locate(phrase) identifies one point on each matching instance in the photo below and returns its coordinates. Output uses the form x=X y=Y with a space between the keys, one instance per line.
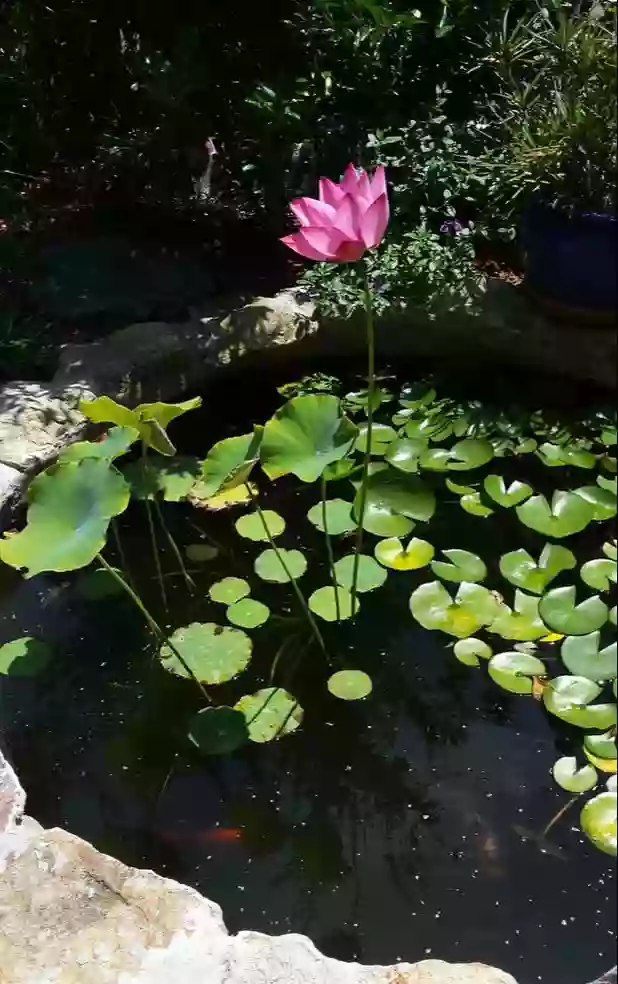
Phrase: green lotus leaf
x=575 y=780
x=599 y=574
x=306 y=434
x=470 y=453
x=405 y=453
x=270 y=713
x=521 y=569
x=516 y=493
x=213 y=653
x=70 y=510
x=515 y=671
x=260 y=526
x=280 y=566
x=556 y=455
x=248 y=613
x=370 y=574
x=523 y=624
x=392 y=553
x=172 y=478
x=559 y=611
x=464 y=566
x=338 y=516
x=116 y=442
x=229 y=590
x=598 y=821
x=150 y=419
x=402 y=495
x=583 y=657
x=601 y=746
x=469 y=650
x=381 y=437
x=350 y=685
x=604 y=504
x=229 y=463
x=609 y=549
x=474 y=505
x=200 y=553
x=218 y=730
x=569 y=513
x=570 y=699
x=97 y=584
x=459 y=489
x=609 y=484
x=333 y=604
x=24 y=657
x=473 y=607
x=434 y=428
x=417 y=395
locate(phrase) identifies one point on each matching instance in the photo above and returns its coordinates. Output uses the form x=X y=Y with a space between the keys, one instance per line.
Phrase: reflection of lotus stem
x=371 y=384
x=152 y=623
x=155 y=552
x=301 y=600
x=188 y=579
x=558 y=816
x=329 y=550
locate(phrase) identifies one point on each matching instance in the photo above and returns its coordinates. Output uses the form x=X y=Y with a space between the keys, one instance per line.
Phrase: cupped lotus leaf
x=370 y=574
x=218 y=730
x=583 y=657
x=201 y=553
x=474 y=505
x=557 y=455
x=24 y=657
x=338 y=516
x=473 y=608
x=229 y=590
x=70 y=510
x=561 y=613
x=515 y=671
x=571 y=777
x=115 y=443
x=459 y=489
x=213 y=653
x=350 y=685
x=435 y=428
x=472 y=452
x=523 y=624
x=270 y=713
x=470 y=651
x=601 y=746
x=604 y=504
x=570 y=699
x=229 y=463
x=568 y=514
x=599 y=574
x=260 y=526
x=171 y=478
x=405 y=453
x=598 y=821
x=417 y=395
x=609 y=549
x=514 y=495
x=522 y=570
x=464 y=566
x=306 y=434
x=248 y=613
x=333 y=604
x=150 y=419
x=609 y=484
x=403 y=495
x=392 y=553
x=381 y=436
x=97 y=584
x=280 y=566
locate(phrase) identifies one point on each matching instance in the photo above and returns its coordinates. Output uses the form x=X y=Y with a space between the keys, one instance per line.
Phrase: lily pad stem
x=554 y=820
x=188 y=579
x=329 y=549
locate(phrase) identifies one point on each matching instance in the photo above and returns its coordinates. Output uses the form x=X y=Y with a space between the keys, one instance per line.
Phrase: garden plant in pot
x=557 y=71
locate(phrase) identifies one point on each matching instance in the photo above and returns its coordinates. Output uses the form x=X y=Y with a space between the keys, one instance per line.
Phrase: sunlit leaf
x=601 y=746
x=333 y=604
x=24 y=657
x=515 y=671
x=609 y=549
x=559 y=611
x=149 y=419
x=218 y=730
x=523 y=624
x=514 y=495
x=459 y=489
x=403 y=495
x=583 y=657
x=598 y=821
x=350 y=685
x=229 y=590
x=572 y=778
x=258 y=526
x=280 y=566
x=464 y=566
x=230 y=498
x=417 y=395
x=248 y=613
x=470 y=651
x=435 y=428
x=392 y=553
x=521 y=569
x=370 y=574
x=306 y=434
x=474 y=505
x=270 y=713
x=404 y=453
x=570 y=699
x=569 y=513
x=473 y=607
x=381 y=437
x=116 y=442
x=561 y=455
x=229 y=463
x=604 y=503
x=470 y=453
x=213 y=653
x=599 y=574
x=338 y=516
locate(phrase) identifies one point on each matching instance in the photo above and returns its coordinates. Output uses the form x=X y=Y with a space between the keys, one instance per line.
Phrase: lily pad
x=562 y=454
x=572 y=778
x=306 y=434
x=254 y=526
x=521 y=569
x=68 y=516
x=350 y=685
x=604 y=504
x=218 y=730
x=201 y=553
x=229 y=463
x=229 y=590
x=338 y=516
x=24 y=657
x=269 y=567
x=459 y=489
x=523 y=624
x=559 y=611
x=598 y=821
x=270 y=713
x=170 y=478
x=239 y=495
x=601 y=746
x=473 y=607
x=470 y=453
x=402 y=495
x=381 y=436
x=116 y=442
x=405 y=453
x=392 y=553
x=599 y=574
x=431 y=428
x=568 y=514
x=417 y=395
x=214 y=653
x=435 y=459
x=514 y=495
x=333 y=604
x=609 y=484
x=464 y=566
x=248 y=613
x=474 y=505
x=98 y=584
x=515 y=671
x=570 y=699
x=370 y=574
x=583 y=657
x=151 y=420
x=470 y=651
x=610 y=550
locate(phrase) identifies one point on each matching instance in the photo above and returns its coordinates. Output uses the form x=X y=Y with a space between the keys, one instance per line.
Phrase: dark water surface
x=385 y=830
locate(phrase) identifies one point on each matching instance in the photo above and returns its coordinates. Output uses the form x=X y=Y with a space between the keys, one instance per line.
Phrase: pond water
x=388 y=829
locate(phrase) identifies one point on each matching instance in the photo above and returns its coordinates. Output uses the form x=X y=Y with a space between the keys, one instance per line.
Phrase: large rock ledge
x=70 y=915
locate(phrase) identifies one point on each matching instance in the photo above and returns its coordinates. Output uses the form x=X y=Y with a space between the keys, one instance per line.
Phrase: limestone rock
x=35 y=423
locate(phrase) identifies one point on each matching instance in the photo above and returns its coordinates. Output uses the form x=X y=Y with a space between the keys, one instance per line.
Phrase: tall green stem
x=120 y=550
x=371 y=387
x=155 y=553
x=329 y=549
x=170 y=539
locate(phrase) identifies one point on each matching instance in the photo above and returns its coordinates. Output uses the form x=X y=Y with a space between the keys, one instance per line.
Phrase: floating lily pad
x=214 y=653
x=598 y=821
x=470 y=651
x=200 y=553
x=523 y=624
x=435 y=428
x=370 y=574
x=270 y=713
x=248 y=613
x=24 y=657
x=612 y=615
x=514 y=495
x=601 y=746
x=583 y=657
x=470 y=453
x=350 y=685
x=230 y=462
x=570 y=699
x=218 y=730
x=460 y=489
x=568 y=514
x=556 y=455
x=473 y=607
x=381 y=436
x=333 y=604
x=116 y=442
x=392 y=553
x=170 y=478
x=604 y=504
x=599 y=574
x=515 y=671
x=405 y=453
x=151 y=420
x=254 y=526
x=417 y=395
x=402 y=495
x=464 y=566
x=98 y=584
x=474 y=505
x=521 y=569
x=269 y=567
x=306 y=434
x=559 y=611
x=609 y=484
x=435 y=459
x=572 y=778
x=338 y=516
x=229 y=590
x=610 y=550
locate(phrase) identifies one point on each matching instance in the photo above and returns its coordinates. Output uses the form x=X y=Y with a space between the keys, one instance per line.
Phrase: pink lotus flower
x=347 y=219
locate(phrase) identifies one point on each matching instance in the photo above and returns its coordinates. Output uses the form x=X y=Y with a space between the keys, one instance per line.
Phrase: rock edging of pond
x=70 y=915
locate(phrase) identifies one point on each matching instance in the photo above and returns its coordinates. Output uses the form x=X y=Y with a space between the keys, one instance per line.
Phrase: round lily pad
x=338 y=516
x=229 y=590
x=474 y=606
x=514 y=671
x=381 y=436
x=464 y=566
x=599 y=574
x=601 y=746
x=568 y=514
x=405 y=453
x=523 y=623
x=392 y=553
x=254 y=525
x=583 y=656
x=521 y=569
x=200 y=553
x=214 y=653
x=474 y=505
x=459 y=489
x=602 y=502
x=370 y=574
x=248 y=613
x=331 y=606
x=559 y=611
x=270 y=713
x=469 y=650
x=218 y=730
x=556 y=455
x=610 y=550
x=470 y=453
x=350 y=685
x=269 y=565
x=598 y=821
x=570 y=699
x=514 y=495
x=572 y=778
x=24 y=657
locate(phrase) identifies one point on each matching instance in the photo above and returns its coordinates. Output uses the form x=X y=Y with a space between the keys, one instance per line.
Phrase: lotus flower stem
x=329 y=549
x=188 y=579
x=371 y=386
